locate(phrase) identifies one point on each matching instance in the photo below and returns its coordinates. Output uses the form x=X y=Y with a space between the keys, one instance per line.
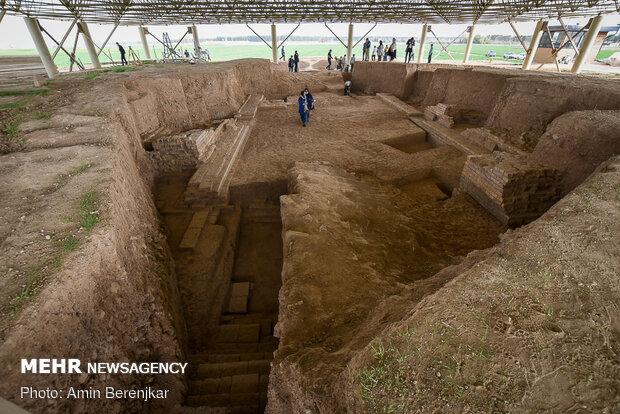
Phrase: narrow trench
x=228 y=272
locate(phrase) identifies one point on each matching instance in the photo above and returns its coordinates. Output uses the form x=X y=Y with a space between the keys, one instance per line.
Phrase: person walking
x=305 y=105
x=291 y=64
x=296 y=60
x=329 y=60
x=430 y=53
x=121 y=49
x=409 y=50
x=282 y=54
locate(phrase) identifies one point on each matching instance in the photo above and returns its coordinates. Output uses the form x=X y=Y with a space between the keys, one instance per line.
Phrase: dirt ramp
x=578 y=142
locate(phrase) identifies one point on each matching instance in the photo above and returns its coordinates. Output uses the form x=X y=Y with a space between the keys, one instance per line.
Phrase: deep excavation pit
x=376 y=259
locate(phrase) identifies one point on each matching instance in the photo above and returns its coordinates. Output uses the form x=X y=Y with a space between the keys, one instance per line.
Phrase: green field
x=227 y=51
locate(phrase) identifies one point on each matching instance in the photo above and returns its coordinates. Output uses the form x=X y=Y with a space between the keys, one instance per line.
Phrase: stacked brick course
x=183 y=151
x=438 y=113
x=509 y=187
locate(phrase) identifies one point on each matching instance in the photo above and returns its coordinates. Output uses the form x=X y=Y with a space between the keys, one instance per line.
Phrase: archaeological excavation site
x=431 y=238
x=420 y=246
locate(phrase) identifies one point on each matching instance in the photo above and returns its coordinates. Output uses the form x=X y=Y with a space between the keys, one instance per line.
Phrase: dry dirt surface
x=577 y=142
x=530 y=325
x=372 y=241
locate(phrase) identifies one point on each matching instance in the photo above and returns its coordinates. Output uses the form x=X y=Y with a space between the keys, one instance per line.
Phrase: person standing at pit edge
x=306 y=104
x=430 y=53
x=282 y=54
x=122 y=50
x=296 y=60
x=329 y=60
x=409 y=50
x=291 y=64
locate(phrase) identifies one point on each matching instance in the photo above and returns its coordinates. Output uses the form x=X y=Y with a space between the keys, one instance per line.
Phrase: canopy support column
x=531 y=51
x=274 y=44
x=422 y=41
x=350 y=43
x=37 y=37
x=90 y=46
x=470 y=41
x=196 y=40
x=145 y=44
x=594 y=25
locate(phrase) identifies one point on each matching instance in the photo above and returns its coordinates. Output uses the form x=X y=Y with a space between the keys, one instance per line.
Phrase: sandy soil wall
x=515 y=103
x=500 y=331
x=527 y=104
x=577 y=142
x=116 y=297
x=393 y=78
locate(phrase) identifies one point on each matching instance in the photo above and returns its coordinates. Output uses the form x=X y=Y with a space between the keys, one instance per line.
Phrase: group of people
x=380 y=52
x=293 y=61
x=341 y=62
x=385 y=52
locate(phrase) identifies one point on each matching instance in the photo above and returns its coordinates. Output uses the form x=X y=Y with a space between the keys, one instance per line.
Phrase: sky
x=13 y=33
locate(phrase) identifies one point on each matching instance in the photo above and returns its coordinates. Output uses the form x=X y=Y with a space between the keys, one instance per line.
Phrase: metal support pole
x=514 y=29
x=2 y=13
x=107 y=39
x=62 y=41
x=145 y=45
x=422 y=41
x=37 y=37
x=531 y=51
x=90 y=46
x=470 y=41
x=197 y=52
x=594 y=25
x=274 y=44
x=350 y=43
x=335 y=35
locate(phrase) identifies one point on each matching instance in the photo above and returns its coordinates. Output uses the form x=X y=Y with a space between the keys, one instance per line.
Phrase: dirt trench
x=229 y=283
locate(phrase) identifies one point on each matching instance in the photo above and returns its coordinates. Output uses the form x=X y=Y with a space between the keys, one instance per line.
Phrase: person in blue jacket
x=306 y=104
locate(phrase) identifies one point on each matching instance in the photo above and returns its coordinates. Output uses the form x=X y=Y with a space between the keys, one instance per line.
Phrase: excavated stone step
x=249 y=107
x=266 y=323
x=192 y=233
x=224 y=369
x=232 y=384
x=241 y=403
x=242 y=347
x=239 y=297
x=209 y=185
x=207 y=357
x=237 y=333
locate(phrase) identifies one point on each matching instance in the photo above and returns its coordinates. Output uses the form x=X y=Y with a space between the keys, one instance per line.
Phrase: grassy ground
x=228 y=51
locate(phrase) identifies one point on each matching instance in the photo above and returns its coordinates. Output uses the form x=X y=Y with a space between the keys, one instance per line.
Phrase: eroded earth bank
x=444 y=240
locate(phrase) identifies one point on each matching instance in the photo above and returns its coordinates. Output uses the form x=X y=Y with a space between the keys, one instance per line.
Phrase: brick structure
x=182 y=152
x=438 y=113
x=509 y=187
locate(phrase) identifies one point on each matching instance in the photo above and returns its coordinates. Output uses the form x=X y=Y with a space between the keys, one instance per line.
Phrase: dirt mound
x=529 y=326
x=349 y=245
x=577 y=142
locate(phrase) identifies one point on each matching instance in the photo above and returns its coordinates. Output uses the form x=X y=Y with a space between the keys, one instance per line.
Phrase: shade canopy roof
x=293 y=11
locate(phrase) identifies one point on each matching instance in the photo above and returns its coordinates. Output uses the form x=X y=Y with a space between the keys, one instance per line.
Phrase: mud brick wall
x=512 y=189
x=180 y=152
x=393 y=78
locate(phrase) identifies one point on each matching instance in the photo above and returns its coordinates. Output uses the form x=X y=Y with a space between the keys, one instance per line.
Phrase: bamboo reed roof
x=134 y=12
